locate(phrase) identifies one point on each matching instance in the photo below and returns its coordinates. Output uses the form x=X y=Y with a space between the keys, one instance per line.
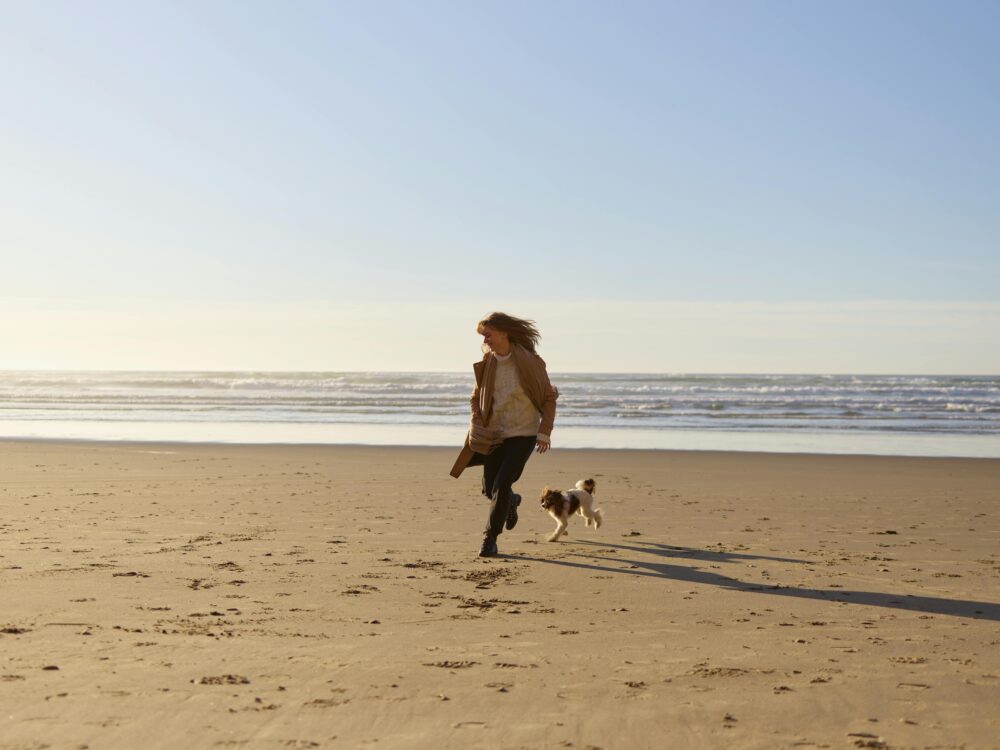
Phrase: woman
x=513 y=410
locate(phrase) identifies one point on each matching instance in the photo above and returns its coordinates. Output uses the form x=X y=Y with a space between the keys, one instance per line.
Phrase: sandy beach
x=212 y=596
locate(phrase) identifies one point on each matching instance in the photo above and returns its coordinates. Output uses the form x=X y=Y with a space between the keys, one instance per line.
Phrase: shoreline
x=207 y=444
x=566 y=438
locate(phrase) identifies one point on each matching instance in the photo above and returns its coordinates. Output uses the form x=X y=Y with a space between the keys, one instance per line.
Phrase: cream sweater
x=513 y=411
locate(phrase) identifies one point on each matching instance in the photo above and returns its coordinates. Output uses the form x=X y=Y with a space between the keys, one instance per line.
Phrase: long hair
x=519 y=331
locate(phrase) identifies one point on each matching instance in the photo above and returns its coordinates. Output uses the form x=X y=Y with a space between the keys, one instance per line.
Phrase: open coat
x=534 y=380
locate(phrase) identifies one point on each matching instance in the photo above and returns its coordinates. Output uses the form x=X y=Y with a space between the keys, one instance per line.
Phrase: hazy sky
x=664 y=186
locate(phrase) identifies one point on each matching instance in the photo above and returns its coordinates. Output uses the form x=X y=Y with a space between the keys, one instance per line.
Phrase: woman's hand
x=541 y=446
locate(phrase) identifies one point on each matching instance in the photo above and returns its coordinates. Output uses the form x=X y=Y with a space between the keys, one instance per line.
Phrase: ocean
x=933 y=415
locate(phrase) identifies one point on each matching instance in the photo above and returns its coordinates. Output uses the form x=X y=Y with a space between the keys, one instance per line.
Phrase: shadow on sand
x=646 y=568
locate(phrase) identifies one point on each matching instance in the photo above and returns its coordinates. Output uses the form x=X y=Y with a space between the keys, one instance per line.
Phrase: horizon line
x=4 y=371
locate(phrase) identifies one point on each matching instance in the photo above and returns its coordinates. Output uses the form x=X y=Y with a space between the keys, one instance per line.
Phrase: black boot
x=489 y=548
x=515 y=500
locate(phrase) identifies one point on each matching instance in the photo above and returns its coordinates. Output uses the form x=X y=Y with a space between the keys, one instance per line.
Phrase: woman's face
x=497 y=341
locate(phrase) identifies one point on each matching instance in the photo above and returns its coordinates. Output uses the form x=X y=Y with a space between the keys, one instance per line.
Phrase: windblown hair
x=519 y=331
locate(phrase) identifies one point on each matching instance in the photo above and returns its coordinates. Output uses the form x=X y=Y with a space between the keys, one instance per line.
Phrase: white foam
x=826 y=442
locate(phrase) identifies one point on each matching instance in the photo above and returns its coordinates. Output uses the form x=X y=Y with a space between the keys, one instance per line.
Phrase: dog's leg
x=562 y=522
x=591 y=516
x=559 y=526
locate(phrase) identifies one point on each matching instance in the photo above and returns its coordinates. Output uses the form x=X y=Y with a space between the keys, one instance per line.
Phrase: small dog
x=561 y=505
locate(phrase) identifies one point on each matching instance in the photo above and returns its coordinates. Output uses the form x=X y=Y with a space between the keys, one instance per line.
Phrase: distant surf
x=915 y=415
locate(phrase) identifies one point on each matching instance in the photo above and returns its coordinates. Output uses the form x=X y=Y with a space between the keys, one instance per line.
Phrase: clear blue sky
x=499 y=154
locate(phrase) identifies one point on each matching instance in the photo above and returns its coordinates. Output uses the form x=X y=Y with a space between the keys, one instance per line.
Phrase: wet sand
x=178 y=595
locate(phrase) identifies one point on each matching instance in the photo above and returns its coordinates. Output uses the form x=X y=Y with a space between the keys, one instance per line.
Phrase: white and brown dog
x=561 y=505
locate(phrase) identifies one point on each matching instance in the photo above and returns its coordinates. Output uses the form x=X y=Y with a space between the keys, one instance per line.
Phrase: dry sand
x=167 y=596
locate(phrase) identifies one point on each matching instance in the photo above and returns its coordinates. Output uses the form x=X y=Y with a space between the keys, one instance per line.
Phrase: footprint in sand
x=224 y=679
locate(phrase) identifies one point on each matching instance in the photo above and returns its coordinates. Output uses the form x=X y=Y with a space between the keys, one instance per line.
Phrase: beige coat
x=534 y=380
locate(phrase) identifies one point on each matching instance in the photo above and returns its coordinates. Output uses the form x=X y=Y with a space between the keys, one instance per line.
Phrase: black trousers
x=501 y=469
